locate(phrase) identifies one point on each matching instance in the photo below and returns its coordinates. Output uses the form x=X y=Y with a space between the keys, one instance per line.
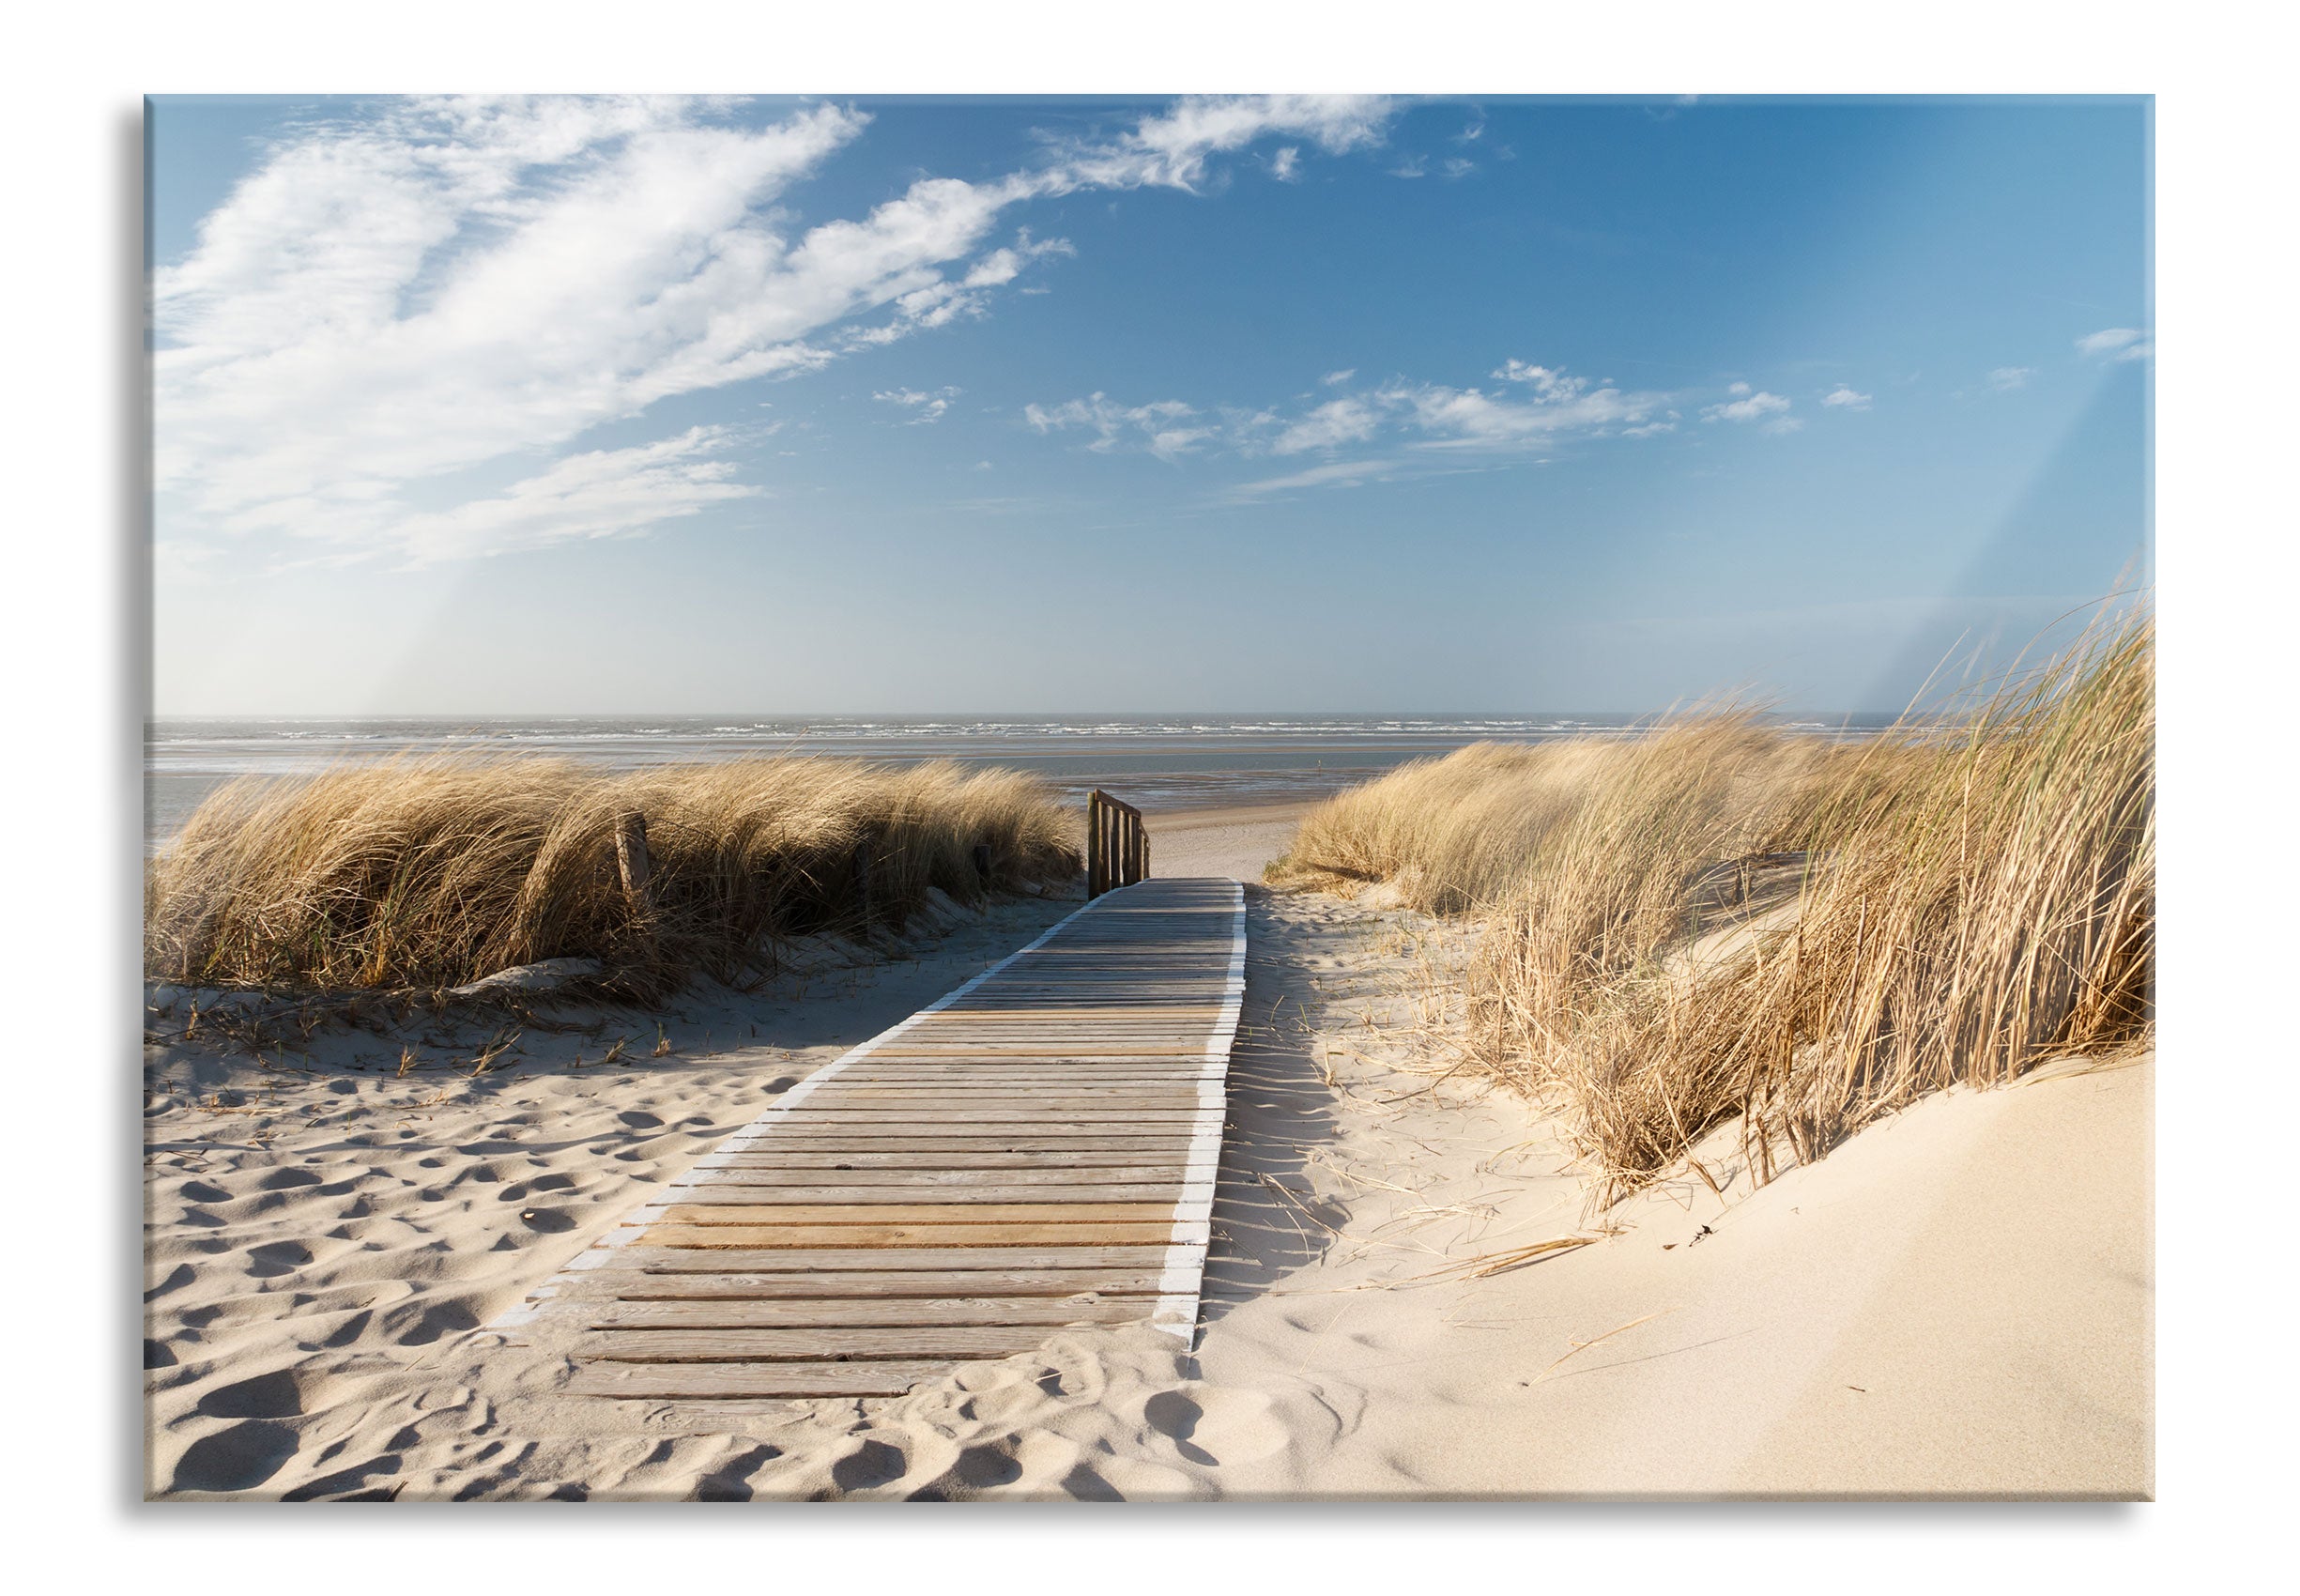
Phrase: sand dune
x=1957 y=1301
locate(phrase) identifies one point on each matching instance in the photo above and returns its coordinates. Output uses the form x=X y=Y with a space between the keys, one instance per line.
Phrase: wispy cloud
x=1843 y=397
x=1162 y=427
x=1339 y=473
x=1748 y=404
x=1174 y=148
x=392 y=301
x=2004 y=379
x=1335 y=379
x=2118 y=343
x=928 y=407
x=1330 y=426
x=1557 y=407
x=1535 y=407
x=598 y=494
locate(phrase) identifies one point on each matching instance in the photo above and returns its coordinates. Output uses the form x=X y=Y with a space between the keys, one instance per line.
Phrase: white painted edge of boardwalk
x=1186 y=1257
x=1177 y=1307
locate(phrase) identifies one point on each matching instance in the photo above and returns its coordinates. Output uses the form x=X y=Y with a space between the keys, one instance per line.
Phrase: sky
x=780 y=406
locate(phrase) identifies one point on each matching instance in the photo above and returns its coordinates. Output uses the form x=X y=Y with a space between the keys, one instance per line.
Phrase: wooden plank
x=1047 y=1146
x=1184 y=1095
x=703 y=1380
x=837 y=1259
x=777 y=1154
x=1160 y=1193
x=815 y=1344
x=1103 y=1234
x=939 y=1284
x=760 y=1171
x=882 y=1123
x=994 y=1112
x=867 y=1313
x=877 y=1211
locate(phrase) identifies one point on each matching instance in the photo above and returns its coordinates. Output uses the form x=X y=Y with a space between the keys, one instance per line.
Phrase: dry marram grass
x=1716 y=921
x=433 y=871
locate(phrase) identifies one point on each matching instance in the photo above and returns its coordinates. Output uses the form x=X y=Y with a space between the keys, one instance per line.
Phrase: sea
x=1159 y=763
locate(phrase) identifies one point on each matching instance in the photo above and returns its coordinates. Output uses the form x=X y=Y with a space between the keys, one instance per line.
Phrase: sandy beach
x=1957 y=1301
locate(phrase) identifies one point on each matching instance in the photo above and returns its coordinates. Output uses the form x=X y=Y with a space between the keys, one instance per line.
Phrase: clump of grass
x=1469 y=832
x=1961 y=905
x=433 y=872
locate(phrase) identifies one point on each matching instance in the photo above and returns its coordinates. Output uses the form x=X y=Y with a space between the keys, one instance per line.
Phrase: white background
x=71 y=384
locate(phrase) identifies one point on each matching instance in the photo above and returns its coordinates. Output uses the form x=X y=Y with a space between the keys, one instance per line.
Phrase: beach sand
x=1957 y=1301
x=1236 y=841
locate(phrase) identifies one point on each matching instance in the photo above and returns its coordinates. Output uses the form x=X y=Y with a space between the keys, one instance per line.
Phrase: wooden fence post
x=1117 y=844
x=632 y=862
x=1093 y=843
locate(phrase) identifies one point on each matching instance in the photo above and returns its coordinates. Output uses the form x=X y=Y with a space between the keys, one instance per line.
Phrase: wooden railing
x=1117 y=844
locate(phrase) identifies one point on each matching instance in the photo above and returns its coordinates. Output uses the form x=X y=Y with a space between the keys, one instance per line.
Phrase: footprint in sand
x=275 y=1395
x=1210 y=1425
x=237 y=1459
x=871 y=1465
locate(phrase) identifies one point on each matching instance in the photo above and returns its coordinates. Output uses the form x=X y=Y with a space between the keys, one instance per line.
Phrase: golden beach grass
x=1959 y=907
x=433 y=872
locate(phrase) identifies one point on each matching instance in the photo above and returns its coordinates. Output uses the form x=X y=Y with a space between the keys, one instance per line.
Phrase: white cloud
x=1468 y=418
x=1434 y=416
x=2118 y=343
x=604 y=493
x=930 y=407
x=1751 y=407
x=457 y=282
x=1335 y=379
x=1412 y=167
x=1285 y=165
x=1159 y=427
x=2005 y=379
x=1456 y=167
x=388 y=302
x=1328 y=426
x=1340 y=474
x=1842 y=397
x=1174 y=150
x=1546 y=381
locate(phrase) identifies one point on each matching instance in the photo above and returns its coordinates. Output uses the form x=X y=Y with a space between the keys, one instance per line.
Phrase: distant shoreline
x=1162 y=764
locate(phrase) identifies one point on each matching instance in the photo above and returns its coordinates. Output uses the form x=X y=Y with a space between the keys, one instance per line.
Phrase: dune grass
x=430 y=872
x=1959 y=907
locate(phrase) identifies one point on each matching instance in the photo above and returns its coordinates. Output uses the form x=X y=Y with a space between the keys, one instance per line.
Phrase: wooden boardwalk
x=1036 y=1150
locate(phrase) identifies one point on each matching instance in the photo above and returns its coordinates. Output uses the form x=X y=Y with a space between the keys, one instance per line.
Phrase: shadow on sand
x=1266 y=1225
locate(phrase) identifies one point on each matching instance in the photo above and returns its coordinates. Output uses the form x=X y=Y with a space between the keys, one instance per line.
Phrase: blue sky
x=1320 y=403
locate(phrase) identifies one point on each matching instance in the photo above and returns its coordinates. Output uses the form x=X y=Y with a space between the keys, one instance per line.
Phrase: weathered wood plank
x=1046 y=1144
x=832 y=1260
x=778 y=1154
x=762 y=1170
x=1160 y=1193
x=703 y=1380
x=1100 y=1233
x=815 y=1344
x=876 y=1210
x=867 y=1313
x=939 y=1284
